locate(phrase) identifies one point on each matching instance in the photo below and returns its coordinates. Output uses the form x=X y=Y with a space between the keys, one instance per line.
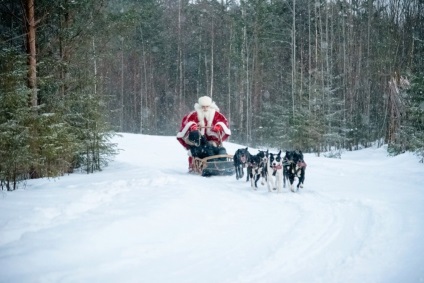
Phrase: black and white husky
x=274 y=172
x=257 y=169
x=294 y=167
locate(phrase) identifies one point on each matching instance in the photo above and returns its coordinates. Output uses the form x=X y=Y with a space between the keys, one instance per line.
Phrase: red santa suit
x=206 y=122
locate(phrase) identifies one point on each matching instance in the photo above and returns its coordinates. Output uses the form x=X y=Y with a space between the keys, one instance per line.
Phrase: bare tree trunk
x=321 y=34
x=293 y=57
x=344 y=76
x=245 y=83
x=256 y=79
x=143 y=73
x=368 y=66
x=212 y=55
x=121 y=118
x=31 y=51
x=64 y=48
x=316 y=77
x=95 y=66
x=207 y=75
x=180 y=59
x=229 y=75
x=328 y=80
x=309 y=57
x=31 y=76
x=394 y=110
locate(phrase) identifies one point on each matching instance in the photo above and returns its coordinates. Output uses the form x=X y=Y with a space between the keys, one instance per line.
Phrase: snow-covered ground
x=144 y=219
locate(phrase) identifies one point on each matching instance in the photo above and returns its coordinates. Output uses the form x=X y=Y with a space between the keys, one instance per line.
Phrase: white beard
x=201 y=115
x=208 y=115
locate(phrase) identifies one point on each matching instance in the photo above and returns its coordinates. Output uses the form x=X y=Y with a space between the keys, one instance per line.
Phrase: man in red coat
x=206 y=118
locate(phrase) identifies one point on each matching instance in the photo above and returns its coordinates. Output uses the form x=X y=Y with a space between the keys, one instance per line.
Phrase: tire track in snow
x=348 y=224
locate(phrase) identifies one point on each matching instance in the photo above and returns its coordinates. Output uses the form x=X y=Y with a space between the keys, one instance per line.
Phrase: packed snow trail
x=144 y=219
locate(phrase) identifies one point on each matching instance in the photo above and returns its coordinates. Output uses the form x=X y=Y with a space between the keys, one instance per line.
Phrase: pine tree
x=15 y=136
x=411 y=133
x=88 y=121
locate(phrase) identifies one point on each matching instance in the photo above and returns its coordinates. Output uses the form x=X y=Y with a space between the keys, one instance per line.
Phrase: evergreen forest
x=314 y=75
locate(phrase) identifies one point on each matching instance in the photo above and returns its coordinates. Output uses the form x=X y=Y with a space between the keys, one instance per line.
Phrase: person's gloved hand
x=217 y=128
x=194 y=127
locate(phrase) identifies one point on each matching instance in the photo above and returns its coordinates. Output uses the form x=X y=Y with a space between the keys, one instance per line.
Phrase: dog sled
x=215 y=165
x=208 y=159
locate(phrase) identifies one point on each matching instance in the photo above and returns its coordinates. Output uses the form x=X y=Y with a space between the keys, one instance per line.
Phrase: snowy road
x=144 y=219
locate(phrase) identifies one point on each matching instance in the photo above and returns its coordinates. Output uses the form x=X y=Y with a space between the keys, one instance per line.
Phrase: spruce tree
x=15 y=154
x=412 y=129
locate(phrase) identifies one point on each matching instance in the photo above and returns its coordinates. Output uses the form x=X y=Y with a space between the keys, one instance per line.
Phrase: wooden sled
x=215 y=165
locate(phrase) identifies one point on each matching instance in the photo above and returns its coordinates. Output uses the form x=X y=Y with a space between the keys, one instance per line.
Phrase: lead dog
x=257 y=169
x=274 y=171
x=294 y=167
